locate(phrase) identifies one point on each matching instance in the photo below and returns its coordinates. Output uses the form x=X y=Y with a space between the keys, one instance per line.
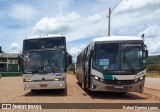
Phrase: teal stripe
x=109 y=77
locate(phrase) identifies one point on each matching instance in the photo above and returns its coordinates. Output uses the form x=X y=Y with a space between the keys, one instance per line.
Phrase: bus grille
x=42 y=80
x=119 y=82
x=124 y=88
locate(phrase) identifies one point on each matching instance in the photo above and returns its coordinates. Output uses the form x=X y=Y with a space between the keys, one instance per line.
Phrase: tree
x=153 y=67
x=69 y=59
x=1 y=50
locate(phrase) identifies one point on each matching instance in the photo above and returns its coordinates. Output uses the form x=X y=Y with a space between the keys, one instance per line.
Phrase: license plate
x=43 y=85
x=118 y=87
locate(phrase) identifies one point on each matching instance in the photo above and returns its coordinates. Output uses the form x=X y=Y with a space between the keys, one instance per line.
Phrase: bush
x=153 y=67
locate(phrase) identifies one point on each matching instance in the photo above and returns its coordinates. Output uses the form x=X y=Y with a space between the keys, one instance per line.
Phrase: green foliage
x=153 y=67
x=1 y=50
x=69 y=59
x=153 y=60
x=153 y=63
x=152 y=74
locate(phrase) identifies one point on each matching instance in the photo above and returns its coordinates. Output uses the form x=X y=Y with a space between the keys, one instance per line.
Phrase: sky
x=79 y=20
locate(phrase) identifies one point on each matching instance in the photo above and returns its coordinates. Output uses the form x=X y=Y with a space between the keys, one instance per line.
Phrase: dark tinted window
x=38 y=61
x=106 y=56
x=32 y=44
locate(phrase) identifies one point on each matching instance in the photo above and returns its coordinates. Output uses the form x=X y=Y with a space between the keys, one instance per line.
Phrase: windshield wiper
x=126 y=60
x=42 y=71
x=36 y=71
x=42 y=67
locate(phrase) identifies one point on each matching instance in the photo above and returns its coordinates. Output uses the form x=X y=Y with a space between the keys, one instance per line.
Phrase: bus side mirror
x=146 y=53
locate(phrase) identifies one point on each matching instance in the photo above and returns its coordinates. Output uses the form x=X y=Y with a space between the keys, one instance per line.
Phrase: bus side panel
x=79 y=70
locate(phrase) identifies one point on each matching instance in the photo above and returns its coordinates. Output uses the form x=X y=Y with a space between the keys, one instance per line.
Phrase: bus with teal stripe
x=115 y=63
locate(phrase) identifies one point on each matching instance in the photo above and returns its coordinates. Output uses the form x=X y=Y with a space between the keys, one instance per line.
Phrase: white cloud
x=128 y=5
x=74 y=50
x=15 y=47
x=89 y=26
x=19 y=11
x=54 y=25
x=95 y=18
x=71 y=25
x=152 y=31
x=153 y=45
x=135 y=17
x=79 y=20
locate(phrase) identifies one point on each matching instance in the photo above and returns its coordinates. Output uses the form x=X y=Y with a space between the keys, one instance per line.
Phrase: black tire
x=121 y=93
x=87 y=82
x=33 y=90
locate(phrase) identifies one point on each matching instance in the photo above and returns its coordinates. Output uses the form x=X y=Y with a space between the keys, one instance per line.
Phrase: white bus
x=116 y=63
x=44 y=62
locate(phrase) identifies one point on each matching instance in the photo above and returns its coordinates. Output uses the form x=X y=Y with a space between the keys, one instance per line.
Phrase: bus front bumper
x=97 y=85
x=45 y=85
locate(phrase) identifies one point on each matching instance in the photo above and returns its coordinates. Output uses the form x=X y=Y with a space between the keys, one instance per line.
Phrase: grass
x=153 y=75
x=70 y=72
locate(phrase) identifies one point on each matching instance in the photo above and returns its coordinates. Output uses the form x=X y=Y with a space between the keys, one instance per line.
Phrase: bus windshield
x=119 y=57
x=49 y=61
x=132 y=56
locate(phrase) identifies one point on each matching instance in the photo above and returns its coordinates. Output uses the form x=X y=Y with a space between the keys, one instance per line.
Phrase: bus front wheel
x=33 y=90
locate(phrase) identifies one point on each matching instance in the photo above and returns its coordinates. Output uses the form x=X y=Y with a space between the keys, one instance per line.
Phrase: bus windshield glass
x=35 y=44
x=50 y=61
x=132 y=56
x=118 y=56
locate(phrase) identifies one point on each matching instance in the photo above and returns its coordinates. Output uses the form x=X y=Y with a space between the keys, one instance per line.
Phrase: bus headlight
x=141 y=78
x=27 y=80
x=99 y=79
x=96 y=77
x=58 y=79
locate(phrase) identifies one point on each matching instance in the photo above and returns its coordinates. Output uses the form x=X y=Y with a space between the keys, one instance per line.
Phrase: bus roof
x=117 y=38
x=43 y=36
